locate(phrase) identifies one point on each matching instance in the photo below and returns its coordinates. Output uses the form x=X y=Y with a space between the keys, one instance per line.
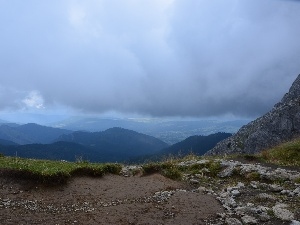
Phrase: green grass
x=173 y=170
x=168 y=169
x=287 y=154
x=47 y=171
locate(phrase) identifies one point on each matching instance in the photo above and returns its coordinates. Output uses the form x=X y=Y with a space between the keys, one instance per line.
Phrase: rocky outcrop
x=279 y=125
x=250 y=193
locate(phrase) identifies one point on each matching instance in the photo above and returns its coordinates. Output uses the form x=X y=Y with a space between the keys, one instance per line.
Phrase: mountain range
x=115 y=144
x=111 y=145
x=169 y=131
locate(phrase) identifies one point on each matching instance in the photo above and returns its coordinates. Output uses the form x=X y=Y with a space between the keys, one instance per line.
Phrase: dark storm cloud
x=163 y=58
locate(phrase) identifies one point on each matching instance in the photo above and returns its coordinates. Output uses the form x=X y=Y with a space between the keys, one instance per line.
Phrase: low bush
x=168 y=169
x=151 y=168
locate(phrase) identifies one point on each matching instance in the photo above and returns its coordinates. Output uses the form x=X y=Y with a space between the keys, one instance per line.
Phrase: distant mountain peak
x=293 y=94
x=281 y=124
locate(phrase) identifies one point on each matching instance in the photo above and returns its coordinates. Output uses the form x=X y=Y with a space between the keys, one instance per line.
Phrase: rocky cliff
x=281 y=124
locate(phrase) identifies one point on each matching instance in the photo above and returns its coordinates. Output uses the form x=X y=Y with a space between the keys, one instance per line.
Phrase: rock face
x=281 y=124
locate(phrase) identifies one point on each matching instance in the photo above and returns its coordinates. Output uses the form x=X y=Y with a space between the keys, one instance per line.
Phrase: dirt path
x=109 y=200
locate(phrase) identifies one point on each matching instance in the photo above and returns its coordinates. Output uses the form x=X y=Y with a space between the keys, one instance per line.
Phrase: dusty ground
x=109 y=200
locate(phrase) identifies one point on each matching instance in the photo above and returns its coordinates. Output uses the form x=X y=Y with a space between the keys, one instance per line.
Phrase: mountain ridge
x=123 y=140
x=112 y=145
x=197 y=144
x=279 y=125
x=30 y=133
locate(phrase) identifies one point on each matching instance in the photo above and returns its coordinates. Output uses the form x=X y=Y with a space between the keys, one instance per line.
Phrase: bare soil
x=111 y=199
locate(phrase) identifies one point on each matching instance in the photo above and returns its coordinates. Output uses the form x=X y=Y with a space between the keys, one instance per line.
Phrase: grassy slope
x=287 y=154
x=54 y=171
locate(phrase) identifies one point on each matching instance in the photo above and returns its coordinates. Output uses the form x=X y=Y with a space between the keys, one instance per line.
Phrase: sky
x=159 y=58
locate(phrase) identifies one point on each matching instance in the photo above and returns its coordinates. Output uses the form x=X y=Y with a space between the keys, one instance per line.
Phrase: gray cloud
x=162 y=58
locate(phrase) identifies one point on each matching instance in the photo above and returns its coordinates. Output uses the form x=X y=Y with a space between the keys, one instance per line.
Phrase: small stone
x=265 y=196
x=201 y=189
x=275 y=188
x=229 y=189
x=198 y=175
x=221 y=215
x=295 y=222
x=253 y=184
x=264 y=217
x=281 y=212
x=285 y=192
x=241 y=210
x=230 y=202
x=233 y=221
x=297 y=191
x=193 y=181
x=227 y=172
x=240 y=185
x=235 y=193
x=203 y=161
x=249 y=220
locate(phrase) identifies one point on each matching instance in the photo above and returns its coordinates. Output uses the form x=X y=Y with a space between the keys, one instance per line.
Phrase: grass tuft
x=168 y=169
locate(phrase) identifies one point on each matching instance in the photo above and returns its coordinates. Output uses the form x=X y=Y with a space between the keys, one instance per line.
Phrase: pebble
x=275 y=188
x=194 y=181
x=249 y=220
x=235 y=193
x=233 y=221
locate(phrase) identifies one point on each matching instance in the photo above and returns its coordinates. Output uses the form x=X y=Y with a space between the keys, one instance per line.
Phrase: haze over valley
x=169 y=70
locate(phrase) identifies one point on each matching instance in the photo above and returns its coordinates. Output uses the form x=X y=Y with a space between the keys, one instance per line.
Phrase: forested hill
x=197 y=144
x=117 y=141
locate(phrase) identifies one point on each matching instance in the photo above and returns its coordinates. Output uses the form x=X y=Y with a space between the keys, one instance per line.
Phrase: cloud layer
x=161 y=58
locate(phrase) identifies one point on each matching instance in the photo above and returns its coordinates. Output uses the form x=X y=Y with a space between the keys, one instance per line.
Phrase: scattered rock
x=281 y=211
x=249 y=220
x=194 y=181
x=233 y=221
x=235 y=193
x=275 y=188
x=266 y=197
x=201 y=189
x=227 y=172
x=297 y=191
x=264 y=217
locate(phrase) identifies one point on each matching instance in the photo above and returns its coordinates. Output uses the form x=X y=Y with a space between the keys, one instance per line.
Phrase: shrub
x=173 y=173
x=151 y=168
x=297 y=180
x=214 y=168
x=250 y=157
x=167 y=169
x=253 y=176
x=112 y=168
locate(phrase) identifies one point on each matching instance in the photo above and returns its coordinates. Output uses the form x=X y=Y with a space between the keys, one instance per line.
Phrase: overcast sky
x=159 y=58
